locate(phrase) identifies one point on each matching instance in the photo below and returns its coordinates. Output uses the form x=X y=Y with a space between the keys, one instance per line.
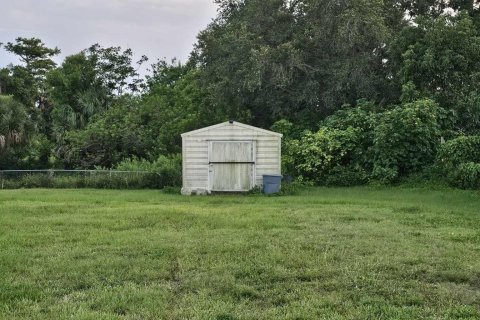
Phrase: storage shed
x=228 y=157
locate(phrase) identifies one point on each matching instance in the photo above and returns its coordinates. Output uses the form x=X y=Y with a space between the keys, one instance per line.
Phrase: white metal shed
x=228 y=157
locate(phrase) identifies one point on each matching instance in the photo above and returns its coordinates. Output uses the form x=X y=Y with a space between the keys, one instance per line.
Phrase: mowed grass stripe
x=329 y=253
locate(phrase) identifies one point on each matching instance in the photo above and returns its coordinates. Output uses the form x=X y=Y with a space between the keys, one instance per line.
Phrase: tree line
x=394 y=76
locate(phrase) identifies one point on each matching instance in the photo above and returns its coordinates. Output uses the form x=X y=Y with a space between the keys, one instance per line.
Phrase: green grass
x=355 y=253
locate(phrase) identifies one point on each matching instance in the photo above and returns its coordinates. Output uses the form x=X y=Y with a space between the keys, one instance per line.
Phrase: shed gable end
x=227 y=126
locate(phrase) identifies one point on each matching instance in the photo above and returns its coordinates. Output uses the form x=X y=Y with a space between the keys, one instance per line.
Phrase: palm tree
x=15 y=124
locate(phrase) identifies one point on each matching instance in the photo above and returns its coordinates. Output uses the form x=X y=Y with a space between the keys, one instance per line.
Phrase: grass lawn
x=338 y=253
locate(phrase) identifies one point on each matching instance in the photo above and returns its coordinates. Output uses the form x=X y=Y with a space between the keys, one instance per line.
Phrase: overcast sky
x=156 y=28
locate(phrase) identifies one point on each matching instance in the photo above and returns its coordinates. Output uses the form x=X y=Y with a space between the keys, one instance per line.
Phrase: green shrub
x=316 y=154
x=64 y=182
x=384 y=174
x=363 y=119
x=357 y=145
x=95 y=179
x=165 y=171
x=431 y=177
x=37 y=154
x=41 y=180
x=37 y=181
x=459 y=160
x=346 y=176
x=283 y=126
x=340 y=153
x=406 y=139
x=361 y=116
x=466 y=176
x=459 y=150
x=291 y=133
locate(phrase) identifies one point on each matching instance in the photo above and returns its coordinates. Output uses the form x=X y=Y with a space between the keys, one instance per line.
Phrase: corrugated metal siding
x=196 y=147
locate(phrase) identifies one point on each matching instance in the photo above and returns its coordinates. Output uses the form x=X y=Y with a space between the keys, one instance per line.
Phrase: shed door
x=231 y=165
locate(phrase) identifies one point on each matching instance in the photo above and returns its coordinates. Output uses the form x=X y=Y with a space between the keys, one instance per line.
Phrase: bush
x=346 y=176
x=357 y=145
x=466 y=176
x=459 y=160
x=165 y=171
x=459 y=150
x=431 y=177
x=363 y=119
x=100 y=180
x=316 y=154
x=37 y=154
x=340 y=153
x=384 y=174
x=291 y=133
x=40 y=180
x=406 y=139
x=361 y=116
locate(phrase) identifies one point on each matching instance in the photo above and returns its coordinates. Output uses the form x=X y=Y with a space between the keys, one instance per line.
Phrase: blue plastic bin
x=272 y=183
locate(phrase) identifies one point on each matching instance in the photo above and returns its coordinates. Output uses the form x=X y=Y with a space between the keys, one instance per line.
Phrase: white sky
x=156 y=28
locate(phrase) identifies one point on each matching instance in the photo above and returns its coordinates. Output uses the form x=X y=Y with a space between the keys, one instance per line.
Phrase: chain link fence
x=107 y=179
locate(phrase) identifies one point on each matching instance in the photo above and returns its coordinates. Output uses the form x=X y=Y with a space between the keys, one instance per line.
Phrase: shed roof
x=230 y=125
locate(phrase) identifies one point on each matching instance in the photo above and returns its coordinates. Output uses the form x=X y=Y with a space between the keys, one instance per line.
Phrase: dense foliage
x=356 y=144
x=362 y=90
x=459 y=159
x=406 y=139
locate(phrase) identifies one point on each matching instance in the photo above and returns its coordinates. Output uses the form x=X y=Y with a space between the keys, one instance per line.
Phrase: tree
x=77 y=94
x=174 y=103
x=440 y=58
x=300 y=60
x=88 y=83
x=15 y=126
x=433 y=8
x=114 y=68
x=16 y=130
x=107 y=139
x=29 y=80
x=34 y=54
